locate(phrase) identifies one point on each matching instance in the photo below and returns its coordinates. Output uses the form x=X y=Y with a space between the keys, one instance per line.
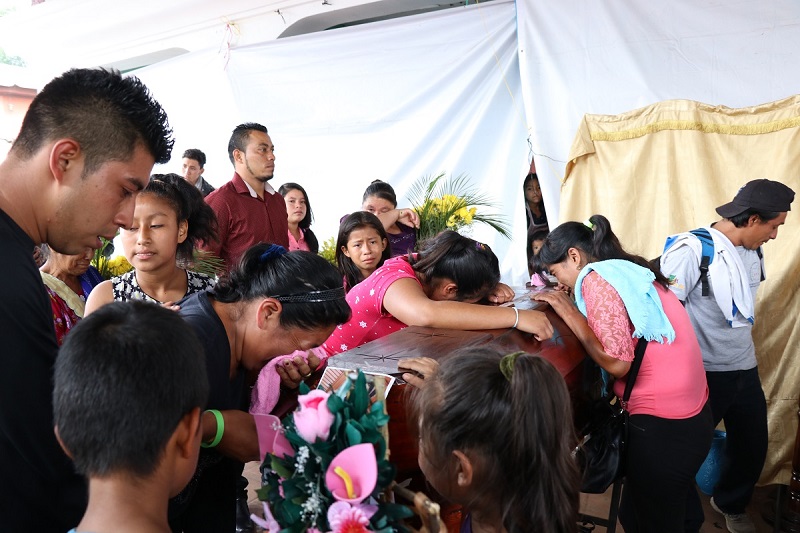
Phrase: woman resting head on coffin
x=437 y=287
x=621 y=298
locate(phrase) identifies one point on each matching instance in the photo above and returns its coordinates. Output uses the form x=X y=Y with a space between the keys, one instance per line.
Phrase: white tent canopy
x=421 y=94
x=394 y=100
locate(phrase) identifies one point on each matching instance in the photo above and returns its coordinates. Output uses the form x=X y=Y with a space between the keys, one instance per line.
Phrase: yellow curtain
x=663 y=169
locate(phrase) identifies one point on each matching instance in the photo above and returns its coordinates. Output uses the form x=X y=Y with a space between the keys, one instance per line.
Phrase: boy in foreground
x=130 y=385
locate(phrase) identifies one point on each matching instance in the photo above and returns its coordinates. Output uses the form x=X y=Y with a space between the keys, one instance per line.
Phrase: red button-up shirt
x=245 y=220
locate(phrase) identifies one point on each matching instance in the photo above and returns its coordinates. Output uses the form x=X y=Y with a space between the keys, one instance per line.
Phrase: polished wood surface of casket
x=563 y=350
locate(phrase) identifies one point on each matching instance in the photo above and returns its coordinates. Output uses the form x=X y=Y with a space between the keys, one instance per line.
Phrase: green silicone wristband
x=220 y=429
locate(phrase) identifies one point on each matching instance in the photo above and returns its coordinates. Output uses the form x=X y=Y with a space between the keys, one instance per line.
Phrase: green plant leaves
x=452 y=203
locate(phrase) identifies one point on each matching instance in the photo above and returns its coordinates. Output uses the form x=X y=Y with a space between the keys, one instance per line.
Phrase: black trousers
x=662 y=459
x=211 y=507
x=738 y=399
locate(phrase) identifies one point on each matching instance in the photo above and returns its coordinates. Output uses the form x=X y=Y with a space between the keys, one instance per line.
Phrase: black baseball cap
x=761 y=195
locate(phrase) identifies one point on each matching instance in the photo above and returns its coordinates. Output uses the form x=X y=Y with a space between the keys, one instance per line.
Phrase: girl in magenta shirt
x=619 y=298
x=362 y=246
x=434 y=288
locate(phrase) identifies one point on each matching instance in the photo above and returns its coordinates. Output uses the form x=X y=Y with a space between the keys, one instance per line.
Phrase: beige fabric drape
x=663 y=169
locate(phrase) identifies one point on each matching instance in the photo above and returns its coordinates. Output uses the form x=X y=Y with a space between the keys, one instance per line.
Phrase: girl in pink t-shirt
x=362 y=246
x=436 y=287
x=619 y=297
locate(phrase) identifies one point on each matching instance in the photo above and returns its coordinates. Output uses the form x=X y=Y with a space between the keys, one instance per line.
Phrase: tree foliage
x=11 y=60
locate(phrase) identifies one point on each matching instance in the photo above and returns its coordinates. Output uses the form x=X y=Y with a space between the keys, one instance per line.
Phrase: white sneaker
x=736 y=523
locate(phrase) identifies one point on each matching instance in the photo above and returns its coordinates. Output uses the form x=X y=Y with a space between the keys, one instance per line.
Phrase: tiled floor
x=597 y=505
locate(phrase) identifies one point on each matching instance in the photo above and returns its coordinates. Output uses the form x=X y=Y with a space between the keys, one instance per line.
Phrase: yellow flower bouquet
x=451 y=203
x=109 y=266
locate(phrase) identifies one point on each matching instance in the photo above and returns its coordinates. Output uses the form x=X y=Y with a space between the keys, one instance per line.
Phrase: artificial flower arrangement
x=325 y=468
x=451 y=203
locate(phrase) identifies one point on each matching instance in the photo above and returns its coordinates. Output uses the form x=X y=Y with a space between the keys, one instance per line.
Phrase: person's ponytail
x=543 y=438
x=606 y=245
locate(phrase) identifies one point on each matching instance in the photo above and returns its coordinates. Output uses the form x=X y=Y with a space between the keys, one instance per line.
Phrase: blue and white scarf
x=635 y=286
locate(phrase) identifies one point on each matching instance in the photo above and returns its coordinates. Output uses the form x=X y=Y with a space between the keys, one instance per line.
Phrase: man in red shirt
x=248 y=209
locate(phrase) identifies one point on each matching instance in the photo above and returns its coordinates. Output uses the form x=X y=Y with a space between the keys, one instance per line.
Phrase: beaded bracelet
x=220 y=429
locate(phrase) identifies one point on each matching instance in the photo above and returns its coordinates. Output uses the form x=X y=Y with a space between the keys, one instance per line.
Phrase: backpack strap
x=706 y=257
x=760 y=254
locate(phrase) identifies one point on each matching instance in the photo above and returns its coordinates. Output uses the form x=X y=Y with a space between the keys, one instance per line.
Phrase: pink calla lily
x=360 y=465
x=268 y=523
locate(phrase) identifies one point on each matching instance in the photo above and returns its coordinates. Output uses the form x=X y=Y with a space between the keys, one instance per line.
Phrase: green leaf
x=335 y=404
x=328 y=250
x=294 y=493
x=427 y=194
x=359 y=395
x=279 y=468
x=206 y=262
x=353 y=434
x=263 y=493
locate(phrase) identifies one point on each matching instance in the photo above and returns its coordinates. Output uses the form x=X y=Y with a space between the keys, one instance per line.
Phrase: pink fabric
x=537 y=281
x=370 y=320
x=267 y=389
x=671 y=381
x=299 y=244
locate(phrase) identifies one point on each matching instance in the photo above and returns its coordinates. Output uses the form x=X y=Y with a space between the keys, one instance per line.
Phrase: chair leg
x=780 y=495
x=613 y=509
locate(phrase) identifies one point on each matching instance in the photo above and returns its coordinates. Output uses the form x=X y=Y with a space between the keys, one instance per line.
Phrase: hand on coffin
x=535 y=322
x=416 y=369
x=501 y=294
x=560 y=301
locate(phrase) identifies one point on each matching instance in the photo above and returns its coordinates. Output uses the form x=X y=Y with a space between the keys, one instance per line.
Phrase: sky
x=7 y=7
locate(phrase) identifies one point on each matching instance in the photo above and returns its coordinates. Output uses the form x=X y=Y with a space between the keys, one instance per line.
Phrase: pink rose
x=313 y=419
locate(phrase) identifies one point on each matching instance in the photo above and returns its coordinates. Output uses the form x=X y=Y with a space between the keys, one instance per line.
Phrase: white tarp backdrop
x=459 y=90
x=582 y=57
x=608 y=57
x=393 y=100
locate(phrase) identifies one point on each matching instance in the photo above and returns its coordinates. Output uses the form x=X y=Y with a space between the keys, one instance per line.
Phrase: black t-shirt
x=223 y=393
x=208 y=501
x=39 y=488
